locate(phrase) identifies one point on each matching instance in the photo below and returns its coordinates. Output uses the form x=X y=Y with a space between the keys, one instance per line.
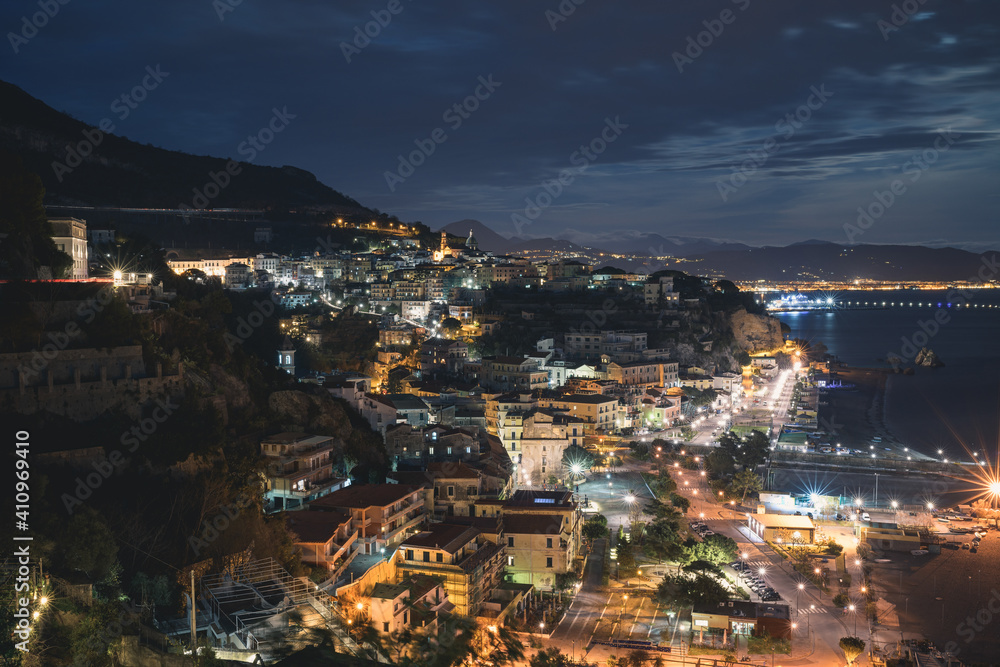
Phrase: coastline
x=854 y=416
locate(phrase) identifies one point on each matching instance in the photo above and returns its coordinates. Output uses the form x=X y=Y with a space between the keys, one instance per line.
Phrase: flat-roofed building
x=411 y=604
x=787 y=528
x=299 y=468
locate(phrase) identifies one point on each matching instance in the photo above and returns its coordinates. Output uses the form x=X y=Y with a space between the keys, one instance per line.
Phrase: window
x=409 y=554
x=385 y=626
x=548 y=542
x=548 y=562
x=451 y=490
x=510 y=540
x=427 y=556
x=439 y=557
x=510 y=561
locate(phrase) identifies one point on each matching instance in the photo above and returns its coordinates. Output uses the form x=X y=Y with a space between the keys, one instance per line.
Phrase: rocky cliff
x=311 y=413
x=755 y=333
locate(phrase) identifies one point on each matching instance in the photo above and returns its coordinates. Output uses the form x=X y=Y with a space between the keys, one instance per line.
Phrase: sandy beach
x=856 y=414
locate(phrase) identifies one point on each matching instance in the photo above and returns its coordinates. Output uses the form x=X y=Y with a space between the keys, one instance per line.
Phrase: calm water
x=936 y=408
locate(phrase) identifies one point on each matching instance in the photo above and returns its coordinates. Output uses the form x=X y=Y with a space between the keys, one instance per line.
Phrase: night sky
x=677 y=119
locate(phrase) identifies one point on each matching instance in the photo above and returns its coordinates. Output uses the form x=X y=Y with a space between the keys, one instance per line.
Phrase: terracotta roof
x=358 y=496
x=532 y=524
x=315 y=527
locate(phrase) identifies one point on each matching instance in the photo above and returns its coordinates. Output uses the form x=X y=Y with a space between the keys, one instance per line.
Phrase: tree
x=550 y=657
x=719 y=463
x=749 y=451
x=852 y=648
x=744 y=482
x=686 y=589
x=680 y=502
x=28 y=244
x=497 y=648
x=663 y=541
x=595 y=527
x=451 y=326
x=714 y=549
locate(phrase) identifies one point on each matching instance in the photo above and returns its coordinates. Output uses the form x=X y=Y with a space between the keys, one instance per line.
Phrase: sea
x=955 y=408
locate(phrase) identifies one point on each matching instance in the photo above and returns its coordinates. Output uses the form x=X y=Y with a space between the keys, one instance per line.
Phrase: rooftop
x=533 y=524
x=364 y=495
x=446 y=536
x=783 y=521
x=315 y=527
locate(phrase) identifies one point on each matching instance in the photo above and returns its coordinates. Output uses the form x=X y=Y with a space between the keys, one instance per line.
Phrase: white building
x=70 y=236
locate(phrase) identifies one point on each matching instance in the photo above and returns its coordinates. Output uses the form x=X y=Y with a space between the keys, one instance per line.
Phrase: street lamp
x=853 y=609
x=801 y=587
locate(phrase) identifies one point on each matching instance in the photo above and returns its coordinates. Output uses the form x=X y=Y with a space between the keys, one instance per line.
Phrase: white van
x=865 y=516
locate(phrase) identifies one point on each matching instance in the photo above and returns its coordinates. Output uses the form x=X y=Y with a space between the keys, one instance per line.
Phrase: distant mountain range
x=628 y=241
x=805 y=260
x=119 y=172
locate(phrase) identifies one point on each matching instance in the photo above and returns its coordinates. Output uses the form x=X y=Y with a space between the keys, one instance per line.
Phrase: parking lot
x=937 y=595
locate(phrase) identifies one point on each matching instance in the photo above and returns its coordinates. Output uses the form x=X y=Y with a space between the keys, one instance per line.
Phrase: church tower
x=286 y=356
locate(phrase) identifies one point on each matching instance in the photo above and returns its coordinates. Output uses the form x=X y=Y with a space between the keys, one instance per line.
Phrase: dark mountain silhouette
x=489 y=240
x=121 y=172
x=811 y=261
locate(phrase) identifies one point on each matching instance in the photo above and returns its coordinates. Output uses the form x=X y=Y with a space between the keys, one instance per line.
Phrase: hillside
x=121 y=172
x=819 y=260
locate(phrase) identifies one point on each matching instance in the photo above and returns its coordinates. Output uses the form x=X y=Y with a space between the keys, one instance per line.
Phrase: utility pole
x=194 y=626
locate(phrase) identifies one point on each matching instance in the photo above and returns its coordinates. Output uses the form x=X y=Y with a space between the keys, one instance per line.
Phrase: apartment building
x=616 y=344
x=542 y=532
x=462 y=556
x=597 y=409
x=323 y=539
x=70 y=236
x=384 y=410
x=403 y=441
x=504 y=373
x=440 y=356
x=382 y=514
x=539 y=547
x=545 y=436
x=660 y=292
x=414 y=604
x=645 y=373
x=299 y=469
